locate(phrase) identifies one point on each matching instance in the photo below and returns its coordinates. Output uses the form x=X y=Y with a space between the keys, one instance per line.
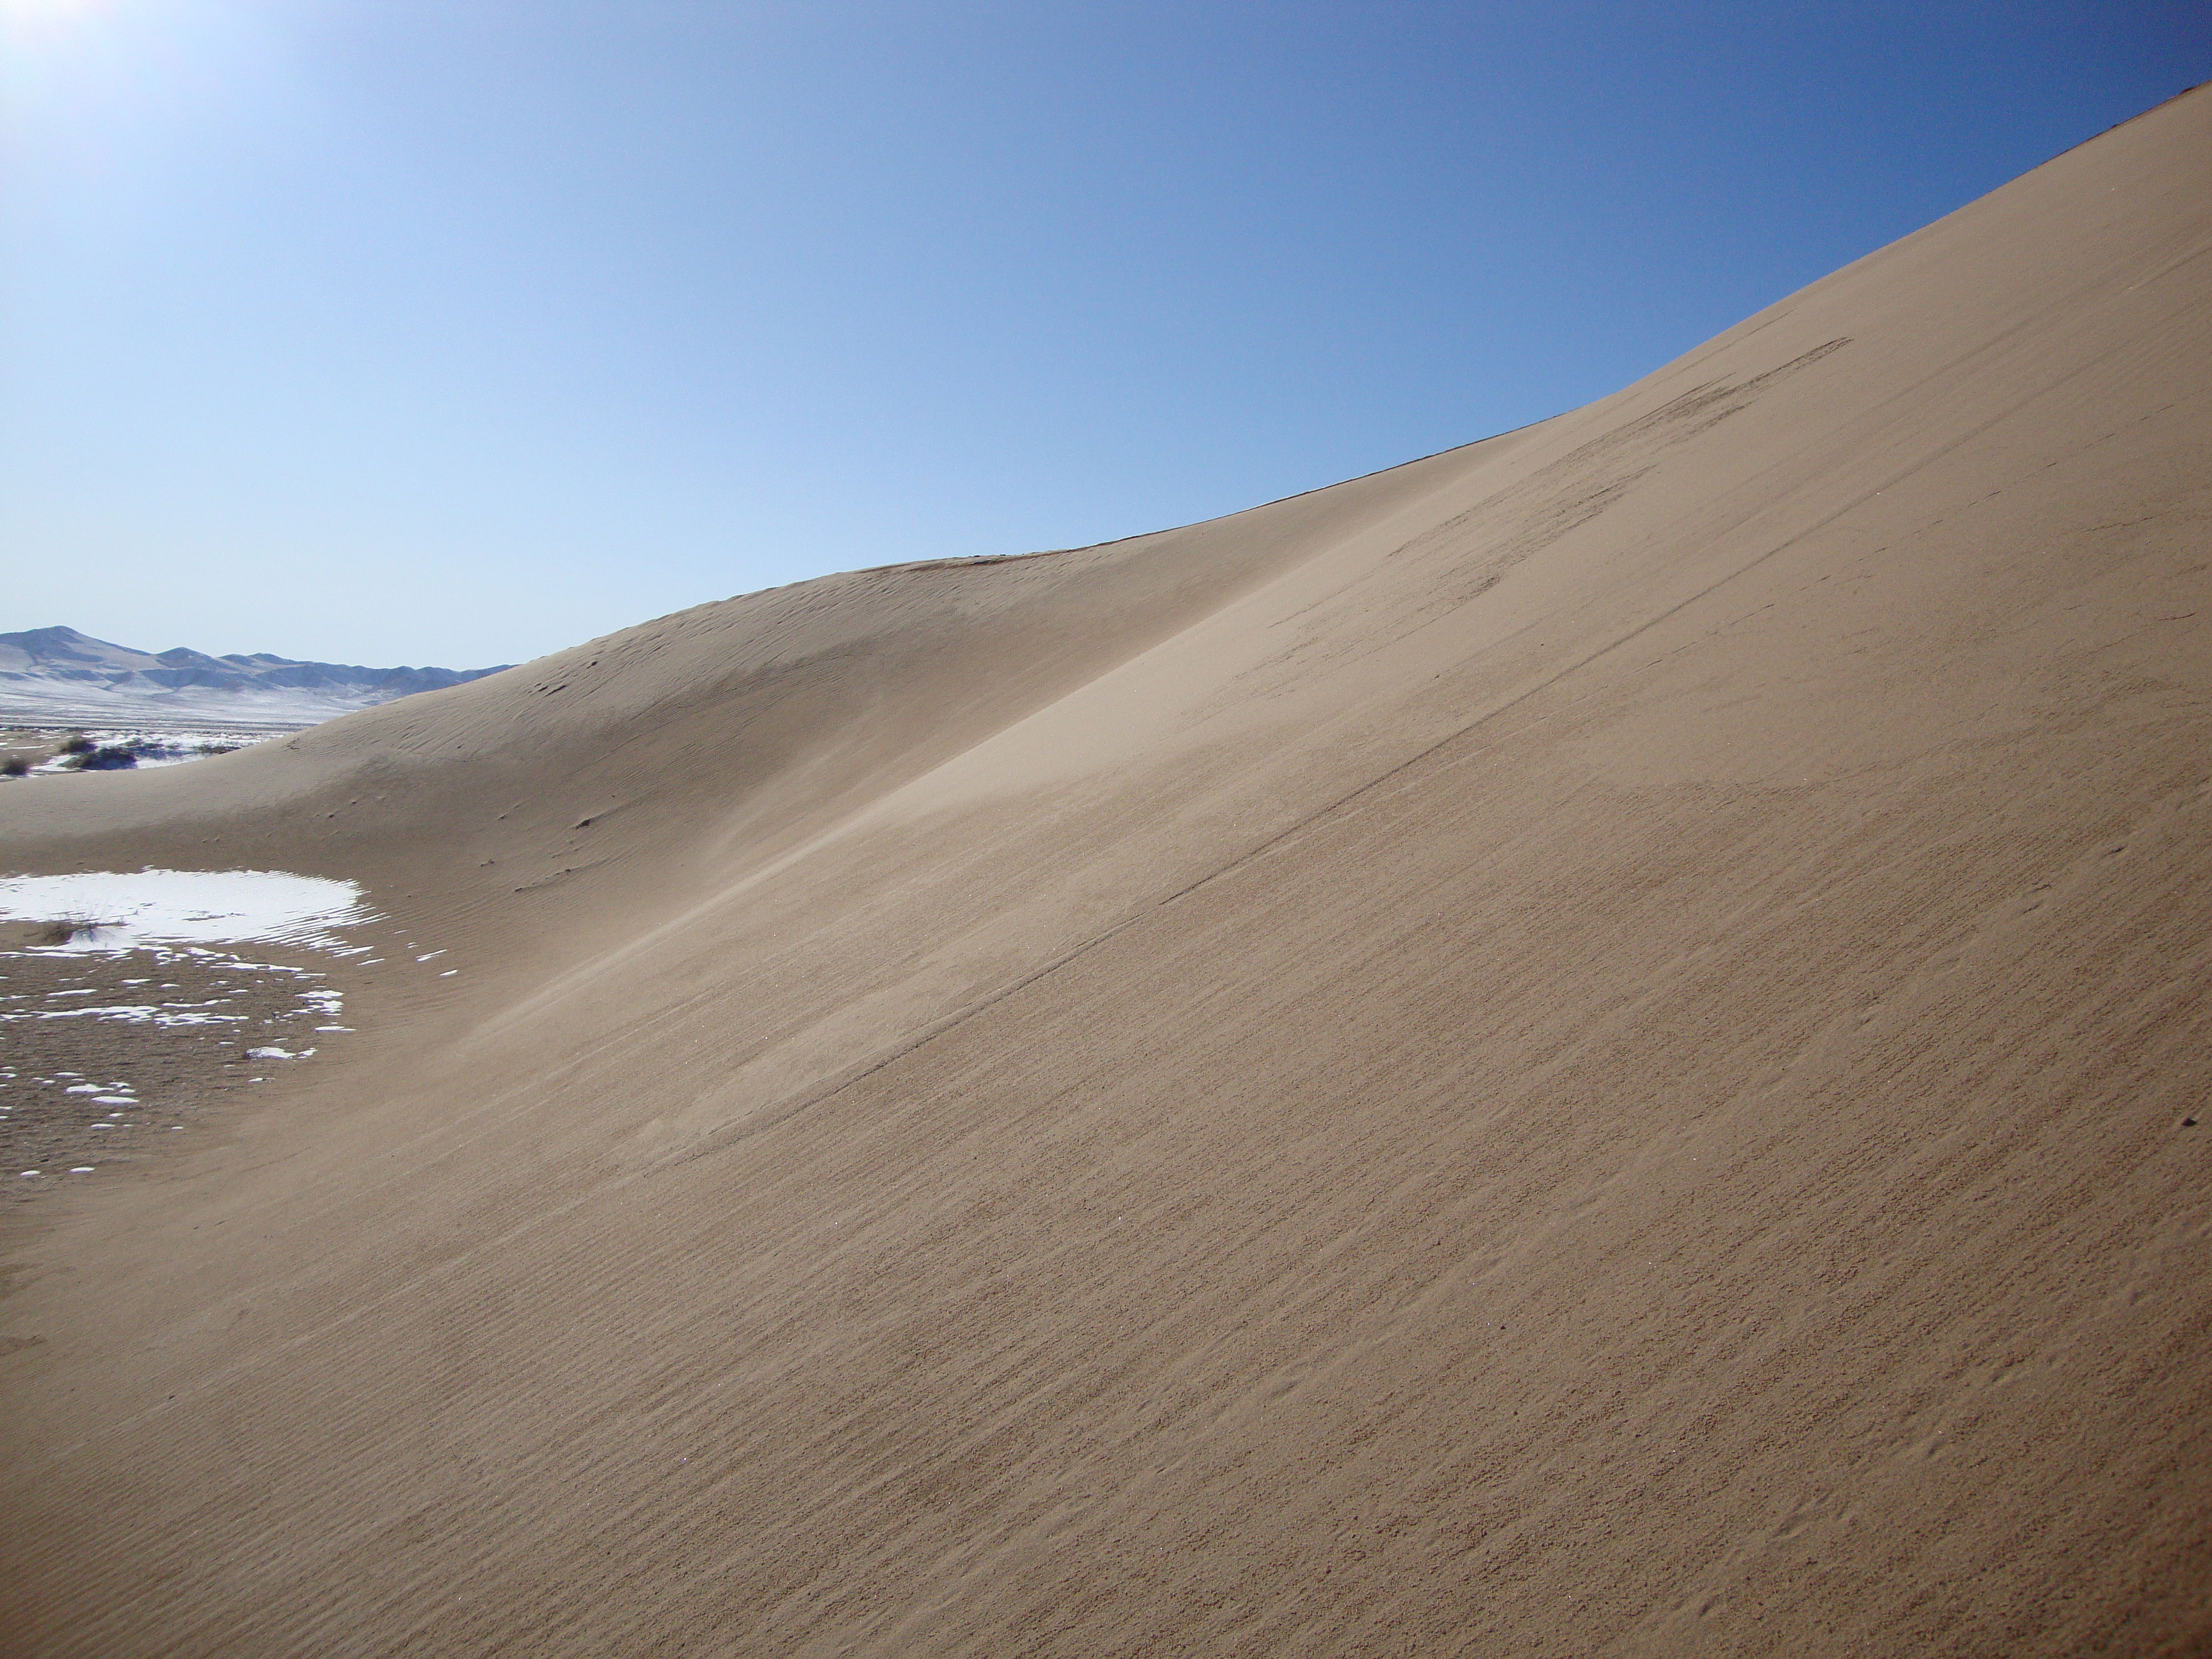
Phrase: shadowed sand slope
x=1579 y=1047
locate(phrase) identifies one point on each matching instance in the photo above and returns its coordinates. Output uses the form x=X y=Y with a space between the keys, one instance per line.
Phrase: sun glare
x=49 y=13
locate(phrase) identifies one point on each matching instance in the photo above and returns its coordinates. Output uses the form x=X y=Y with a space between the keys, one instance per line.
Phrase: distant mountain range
x=56 y=676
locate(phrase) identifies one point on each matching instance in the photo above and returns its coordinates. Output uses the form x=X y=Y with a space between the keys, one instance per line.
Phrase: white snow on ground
x=161 y=746
x=119 y=911
x=203 y=917
x=135 y=1013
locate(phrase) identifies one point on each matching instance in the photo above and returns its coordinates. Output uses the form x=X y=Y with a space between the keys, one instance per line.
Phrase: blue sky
x=386 y=331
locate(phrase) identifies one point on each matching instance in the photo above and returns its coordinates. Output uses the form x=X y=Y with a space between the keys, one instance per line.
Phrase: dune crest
x=1589 y=1040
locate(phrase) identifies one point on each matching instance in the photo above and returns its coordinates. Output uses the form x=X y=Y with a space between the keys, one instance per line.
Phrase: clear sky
x=389 y=330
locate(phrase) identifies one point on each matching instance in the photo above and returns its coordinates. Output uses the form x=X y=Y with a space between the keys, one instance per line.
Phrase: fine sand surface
x=1581 y=1046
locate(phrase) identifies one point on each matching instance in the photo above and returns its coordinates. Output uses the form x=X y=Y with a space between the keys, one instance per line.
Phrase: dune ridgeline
x=1579 y=1047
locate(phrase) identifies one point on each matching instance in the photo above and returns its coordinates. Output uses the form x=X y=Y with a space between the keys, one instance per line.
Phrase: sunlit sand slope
x=1580 y=1046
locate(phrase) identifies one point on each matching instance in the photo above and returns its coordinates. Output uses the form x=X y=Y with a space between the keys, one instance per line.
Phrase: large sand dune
x=1580 y=1046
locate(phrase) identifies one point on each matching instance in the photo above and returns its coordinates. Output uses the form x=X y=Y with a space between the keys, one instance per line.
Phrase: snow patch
x=121 y=911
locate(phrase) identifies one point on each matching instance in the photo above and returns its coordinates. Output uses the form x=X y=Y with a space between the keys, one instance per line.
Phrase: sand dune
x=1579 y=1047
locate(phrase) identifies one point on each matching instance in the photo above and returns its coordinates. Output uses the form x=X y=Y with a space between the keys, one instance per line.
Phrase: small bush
x=79 y=744
x=64 y=929
x=14 y=766
x=115 y=758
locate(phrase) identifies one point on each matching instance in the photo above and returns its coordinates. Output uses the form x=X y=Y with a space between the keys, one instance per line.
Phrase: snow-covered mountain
x=56 y=675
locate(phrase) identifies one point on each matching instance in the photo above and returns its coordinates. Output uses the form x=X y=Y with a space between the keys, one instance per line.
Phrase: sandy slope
x=1580 y=1046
